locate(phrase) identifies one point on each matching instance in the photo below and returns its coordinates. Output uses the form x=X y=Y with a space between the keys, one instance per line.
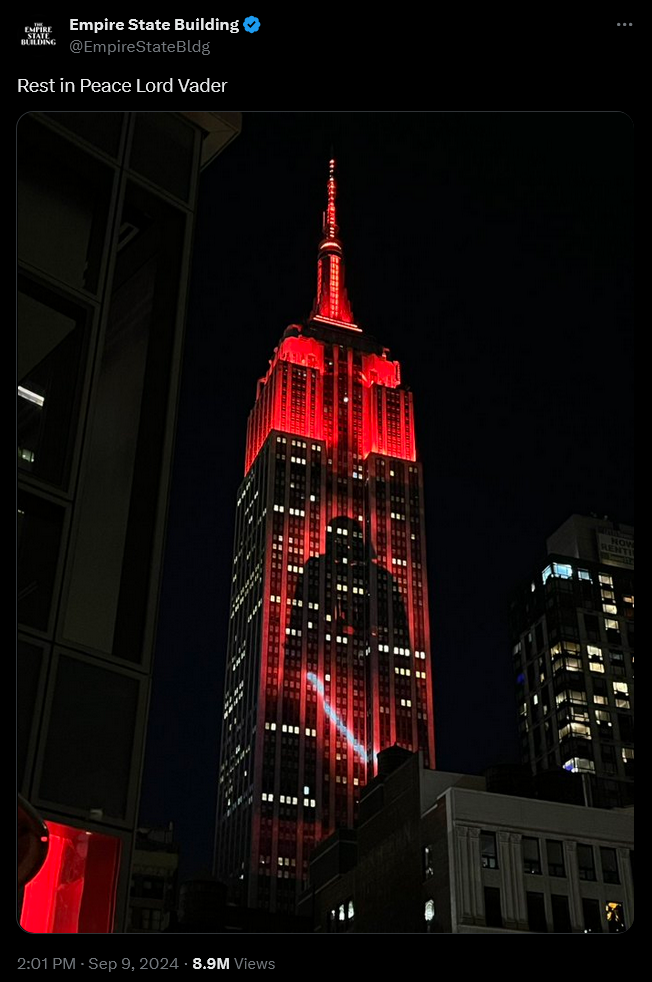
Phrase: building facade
x=573 y=636
x=154 y=880
x=107 y=204
x=437 y=853
x=328 y=648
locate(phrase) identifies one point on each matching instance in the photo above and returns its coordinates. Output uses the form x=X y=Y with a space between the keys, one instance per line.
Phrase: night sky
x=492 y=253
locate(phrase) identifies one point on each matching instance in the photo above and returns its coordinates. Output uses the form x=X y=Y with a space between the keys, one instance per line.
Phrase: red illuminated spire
x=332 y=303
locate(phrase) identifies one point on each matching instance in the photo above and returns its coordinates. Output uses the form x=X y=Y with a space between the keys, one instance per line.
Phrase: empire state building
x=328 y=648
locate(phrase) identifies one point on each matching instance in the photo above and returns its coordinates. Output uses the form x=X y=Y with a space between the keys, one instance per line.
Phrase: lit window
x=578 y=765
x=621 y=694
x=575 y=729
x=615 y=919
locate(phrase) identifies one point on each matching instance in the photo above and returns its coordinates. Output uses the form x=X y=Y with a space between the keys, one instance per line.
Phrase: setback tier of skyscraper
x=328 y=647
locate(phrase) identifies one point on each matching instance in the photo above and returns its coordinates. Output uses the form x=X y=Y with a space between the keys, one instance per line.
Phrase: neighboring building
x=204 y=909
x=328 y=649
x=153 y=893
x=106 y=210
x=573 y=636
x=437 y=853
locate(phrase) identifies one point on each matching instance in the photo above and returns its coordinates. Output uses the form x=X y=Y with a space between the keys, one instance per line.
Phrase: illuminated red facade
x=329 y=650
x=74 y=892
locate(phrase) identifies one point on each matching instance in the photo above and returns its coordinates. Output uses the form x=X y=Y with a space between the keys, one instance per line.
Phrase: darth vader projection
x=347 y=614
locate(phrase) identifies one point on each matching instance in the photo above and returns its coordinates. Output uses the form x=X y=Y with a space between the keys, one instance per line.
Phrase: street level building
x=154 y=886
x=434 y=852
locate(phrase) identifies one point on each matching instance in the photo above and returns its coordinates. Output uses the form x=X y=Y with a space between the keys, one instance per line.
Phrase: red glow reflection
x=74 y=892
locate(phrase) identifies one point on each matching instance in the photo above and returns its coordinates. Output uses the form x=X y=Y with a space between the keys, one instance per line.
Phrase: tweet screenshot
x=325 y=519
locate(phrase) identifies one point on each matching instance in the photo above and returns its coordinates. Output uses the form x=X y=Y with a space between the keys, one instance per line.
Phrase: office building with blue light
x=573 y=654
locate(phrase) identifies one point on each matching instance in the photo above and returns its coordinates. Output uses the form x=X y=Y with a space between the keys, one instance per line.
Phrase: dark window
x=591 y=911
x=39 y=534
x=585 y=863
x=50 y=346
x=608 y=754
x=492 y=914
x=488 y=850
x=561 y=922
x=116 y=508
x=617 y=660
x=626 y=727
x=90 y=738
x=592 y=626
x=102 y=129
x=531 y=859
x=163 y=151
x=609 y=865
x=29 y=663
x=61 y=187
x=555 y=850
x=536 y=912
x=147 y=886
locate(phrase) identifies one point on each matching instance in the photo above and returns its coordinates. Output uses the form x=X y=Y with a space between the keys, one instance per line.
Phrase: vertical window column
x=512 y=884
x=574 y=893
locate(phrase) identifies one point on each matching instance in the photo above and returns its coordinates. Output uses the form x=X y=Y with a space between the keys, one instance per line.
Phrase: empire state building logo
x=39 y=34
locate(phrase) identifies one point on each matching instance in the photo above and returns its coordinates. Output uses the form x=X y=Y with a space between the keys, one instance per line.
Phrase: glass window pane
x=101 y=129
x=585 y=862
x=555 y=850
x=90 y=737
x=561 y=921
x=62 y=188
x=536 y=912
x=493 y=915
x=163 y=151
x=531 y=860
x=488 y=850
x=609 y=865
x=51 y=345
x=29 y=662
x=591 y=912
x=39 y=535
